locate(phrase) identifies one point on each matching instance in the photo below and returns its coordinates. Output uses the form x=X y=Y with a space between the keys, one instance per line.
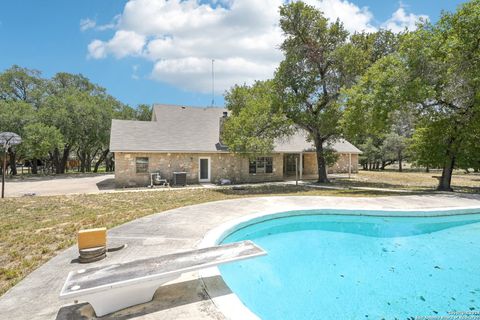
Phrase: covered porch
x=303 y=165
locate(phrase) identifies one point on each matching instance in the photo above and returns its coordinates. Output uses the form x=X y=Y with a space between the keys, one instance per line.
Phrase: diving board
x=113 y=287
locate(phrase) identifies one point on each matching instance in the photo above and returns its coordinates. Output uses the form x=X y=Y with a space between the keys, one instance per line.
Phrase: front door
x=204 y=169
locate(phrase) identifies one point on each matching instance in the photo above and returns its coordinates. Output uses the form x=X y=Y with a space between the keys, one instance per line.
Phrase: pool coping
x=230 y=305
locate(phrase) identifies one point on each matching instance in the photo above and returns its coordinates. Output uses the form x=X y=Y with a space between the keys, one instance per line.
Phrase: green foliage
x=427 y=145
x=143 y=112
x=372 y=101
x=330 y=155
x=317 y=65
x=255 y=120
x=84 y=120
x=371 y=152
x=393 y=147
x=21 y=84
x=15 y=115
x=40 y=139
x=63 y=82
x=375 y=45
x=321 y=61
x=435 y=75
x=444 y=65
x=78 y=110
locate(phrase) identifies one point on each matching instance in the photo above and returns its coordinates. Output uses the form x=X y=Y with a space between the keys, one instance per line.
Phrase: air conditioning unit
x=179 y=178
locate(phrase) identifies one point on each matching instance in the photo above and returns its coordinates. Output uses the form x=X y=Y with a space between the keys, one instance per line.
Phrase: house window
x=261 y=165
x=141 y=164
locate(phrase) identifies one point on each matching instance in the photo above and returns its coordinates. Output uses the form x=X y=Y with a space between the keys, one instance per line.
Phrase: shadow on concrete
x=473 y=194
x=107 y=184
x=166 y=297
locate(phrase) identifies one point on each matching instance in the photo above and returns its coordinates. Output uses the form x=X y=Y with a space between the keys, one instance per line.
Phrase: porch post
x=301 y=165
x=349 y=165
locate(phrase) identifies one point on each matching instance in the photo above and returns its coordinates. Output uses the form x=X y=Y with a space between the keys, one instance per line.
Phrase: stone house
x=186 y=139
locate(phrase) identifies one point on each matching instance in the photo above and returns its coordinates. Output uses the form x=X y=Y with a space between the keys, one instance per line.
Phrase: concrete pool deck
x=36 y=297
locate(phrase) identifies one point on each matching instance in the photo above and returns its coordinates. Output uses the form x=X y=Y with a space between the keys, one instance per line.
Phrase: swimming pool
x=328 y=264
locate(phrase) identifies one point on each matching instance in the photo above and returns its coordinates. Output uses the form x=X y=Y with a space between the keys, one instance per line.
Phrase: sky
x=161 y=51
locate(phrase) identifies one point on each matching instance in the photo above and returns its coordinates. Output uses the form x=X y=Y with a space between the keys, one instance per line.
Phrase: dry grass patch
x=34 y=229
x=420 y=181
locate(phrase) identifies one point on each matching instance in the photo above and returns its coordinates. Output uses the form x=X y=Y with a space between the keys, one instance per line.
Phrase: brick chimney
x=221 y=124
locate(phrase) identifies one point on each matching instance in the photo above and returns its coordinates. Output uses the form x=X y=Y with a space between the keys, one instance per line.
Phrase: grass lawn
x=34 y=229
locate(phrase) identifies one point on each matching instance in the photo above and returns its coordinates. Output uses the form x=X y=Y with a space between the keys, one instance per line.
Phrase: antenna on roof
x=213 y=83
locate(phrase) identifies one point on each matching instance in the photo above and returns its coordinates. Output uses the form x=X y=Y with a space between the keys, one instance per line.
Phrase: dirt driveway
x=60 y=185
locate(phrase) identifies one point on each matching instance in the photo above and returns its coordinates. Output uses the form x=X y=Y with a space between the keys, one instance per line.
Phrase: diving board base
x=123 y=297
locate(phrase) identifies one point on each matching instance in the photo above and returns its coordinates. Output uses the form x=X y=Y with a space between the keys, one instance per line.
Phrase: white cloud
x=195 y=73
x=180 y=37
x=86 y=24
x=97 y=49
x=353 y=17
x=402 y=20
x=124 y=43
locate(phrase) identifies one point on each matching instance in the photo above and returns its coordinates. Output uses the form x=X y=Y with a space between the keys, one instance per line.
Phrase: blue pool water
x=321 y=265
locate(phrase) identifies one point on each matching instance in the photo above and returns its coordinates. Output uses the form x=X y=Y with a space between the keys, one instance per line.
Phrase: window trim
x=209 y=169
x=137 y=165
x=254 y=164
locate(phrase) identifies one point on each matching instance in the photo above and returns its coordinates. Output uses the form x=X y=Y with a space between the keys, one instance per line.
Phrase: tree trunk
x=446 y=178
x=365 y=166
x=88 y=162
x=103 y=156
x=427 y=169
x=109 y=163
x=82 y=155
x=12 y=161
x=33 y=163
x=60 y=162
x=56 y=160
x=64 y=160
x=400 y=159
x=321 y=164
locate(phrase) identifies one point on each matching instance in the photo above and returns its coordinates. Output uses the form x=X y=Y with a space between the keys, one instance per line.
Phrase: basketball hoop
x=8 y=139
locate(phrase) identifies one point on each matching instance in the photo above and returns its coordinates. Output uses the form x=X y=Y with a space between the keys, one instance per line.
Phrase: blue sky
x=149 y=51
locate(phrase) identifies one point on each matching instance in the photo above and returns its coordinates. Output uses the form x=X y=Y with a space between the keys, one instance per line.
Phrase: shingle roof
x=190 y=129
x=299 y=142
